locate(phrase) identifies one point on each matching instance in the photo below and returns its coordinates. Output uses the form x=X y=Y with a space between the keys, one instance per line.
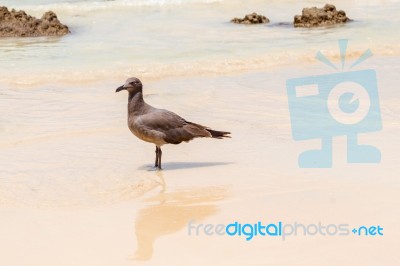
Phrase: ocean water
x=156 y=39
x=63 y=134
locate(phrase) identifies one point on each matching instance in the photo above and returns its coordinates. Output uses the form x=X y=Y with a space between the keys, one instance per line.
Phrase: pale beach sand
x=102 y=204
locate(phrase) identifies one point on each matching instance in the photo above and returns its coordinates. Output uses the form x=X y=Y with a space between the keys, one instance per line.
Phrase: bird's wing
x=174 y=128
x=161 y=120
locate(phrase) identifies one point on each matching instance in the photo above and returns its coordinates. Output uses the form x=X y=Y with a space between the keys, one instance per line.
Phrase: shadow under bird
x=160 y=126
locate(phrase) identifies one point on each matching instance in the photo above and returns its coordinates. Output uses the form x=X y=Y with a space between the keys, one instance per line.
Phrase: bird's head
x=132 y=85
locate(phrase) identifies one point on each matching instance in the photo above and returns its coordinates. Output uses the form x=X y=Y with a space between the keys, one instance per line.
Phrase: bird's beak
x=120 y=88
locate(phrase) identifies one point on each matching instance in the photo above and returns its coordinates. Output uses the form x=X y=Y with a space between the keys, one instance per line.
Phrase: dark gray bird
x=160 y=126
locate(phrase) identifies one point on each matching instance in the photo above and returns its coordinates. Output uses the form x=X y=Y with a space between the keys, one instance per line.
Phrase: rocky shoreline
x=19 y=24
x=252 y=18
x=316 y=17
x=310 y=17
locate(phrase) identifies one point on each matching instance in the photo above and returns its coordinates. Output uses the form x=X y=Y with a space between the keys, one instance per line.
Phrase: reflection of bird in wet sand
x=160 y=126
x=172 y=214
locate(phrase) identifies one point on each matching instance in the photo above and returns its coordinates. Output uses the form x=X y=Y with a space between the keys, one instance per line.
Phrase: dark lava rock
x=252 y=18
x=18 y=24
x=315 y=17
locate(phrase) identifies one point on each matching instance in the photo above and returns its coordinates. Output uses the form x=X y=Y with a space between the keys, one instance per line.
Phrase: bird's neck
x=136 y=102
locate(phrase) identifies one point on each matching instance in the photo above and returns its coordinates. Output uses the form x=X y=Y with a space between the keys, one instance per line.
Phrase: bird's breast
x=144 y=133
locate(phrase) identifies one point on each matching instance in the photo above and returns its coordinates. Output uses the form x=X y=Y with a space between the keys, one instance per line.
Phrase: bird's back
x=161 y=126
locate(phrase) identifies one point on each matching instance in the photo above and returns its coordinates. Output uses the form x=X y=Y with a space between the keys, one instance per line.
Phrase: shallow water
x=64 y=146
x=63 y=129
x=112 y=40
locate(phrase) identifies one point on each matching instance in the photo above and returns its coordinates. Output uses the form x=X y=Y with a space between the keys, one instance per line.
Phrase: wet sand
x=76 y=188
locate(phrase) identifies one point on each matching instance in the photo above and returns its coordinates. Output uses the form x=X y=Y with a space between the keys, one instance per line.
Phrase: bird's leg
x=159 y=158
x=156 y=163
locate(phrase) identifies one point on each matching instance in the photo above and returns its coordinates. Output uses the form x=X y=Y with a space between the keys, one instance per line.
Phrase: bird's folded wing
x=175 y=128
x=161 y=120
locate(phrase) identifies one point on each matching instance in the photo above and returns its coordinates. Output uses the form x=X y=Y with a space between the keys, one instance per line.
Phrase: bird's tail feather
x=218 y=134
x=206 y=132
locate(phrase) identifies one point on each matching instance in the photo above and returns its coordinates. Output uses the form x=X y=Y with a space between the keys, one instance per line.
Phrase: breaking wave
x=67 y=6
